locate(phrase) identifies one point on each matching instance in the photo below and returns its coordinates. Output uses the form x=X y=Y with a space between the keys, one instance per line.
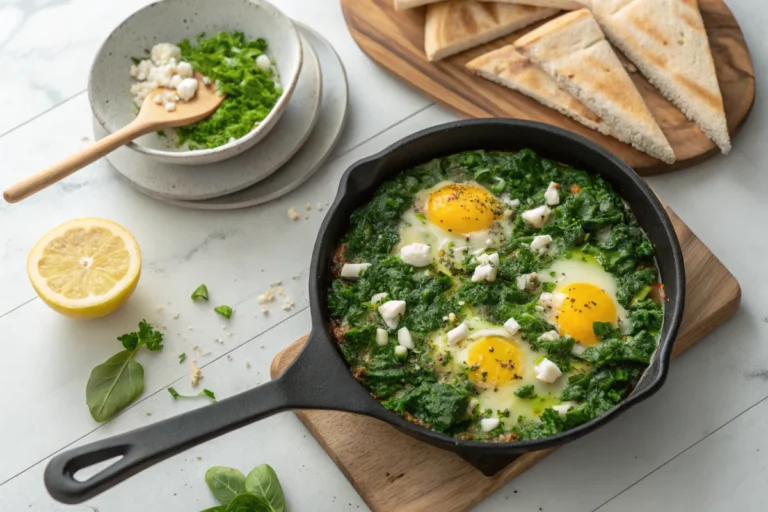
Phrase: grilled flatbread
x=566 y=5
x=667 y=41
x=507 y=67
x=458 y=25
x=574 y=52
x=401 y=5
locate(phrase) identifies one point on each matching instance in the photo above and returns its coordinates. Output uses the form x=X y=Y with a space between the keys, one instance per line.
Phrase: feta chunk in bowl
x=170 y=21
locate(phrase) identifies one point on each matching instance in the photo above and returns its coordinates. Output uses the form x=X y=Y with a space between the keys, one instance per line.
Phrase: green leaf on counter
x=263 y=481
x=201 y=293
x=248 y=502
x=224 y=311
x=205 y=392
x=225 y=483
x=114 y=385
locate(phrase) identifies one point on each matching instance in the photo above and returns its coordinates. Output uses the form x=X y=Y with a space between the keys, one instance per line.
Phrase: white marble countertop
x=700 y=444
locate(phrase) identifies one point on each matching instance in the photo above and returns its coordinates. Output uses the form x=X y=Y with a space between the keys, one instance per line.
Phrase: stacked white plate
x=292 y=151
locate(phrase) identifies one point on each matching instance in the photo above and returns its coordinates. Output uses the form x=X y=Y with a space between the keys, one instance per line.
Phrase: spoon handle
x=47 y=177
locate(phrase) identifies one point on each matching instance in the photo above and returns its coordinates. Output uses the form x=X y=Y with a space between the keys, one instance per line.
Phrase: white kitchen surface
x=700 y=444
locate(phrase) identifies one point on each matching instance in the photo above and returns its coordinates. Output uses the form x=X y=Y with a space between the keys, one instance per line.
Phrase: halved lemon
x=85 y=268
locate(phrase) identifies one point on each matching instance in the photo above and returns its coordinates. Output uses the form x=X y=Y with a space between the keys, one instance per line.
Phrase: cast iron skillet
x=320 y=378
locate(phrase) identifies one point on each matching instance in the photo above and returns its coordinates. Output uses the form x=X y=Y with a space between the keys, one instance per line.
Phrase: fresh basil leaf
x=225 y=483
x=248 y=502
x=224 y=311
x=114 y=385
x=200 y=293
x=263 y=481
x=182 y=357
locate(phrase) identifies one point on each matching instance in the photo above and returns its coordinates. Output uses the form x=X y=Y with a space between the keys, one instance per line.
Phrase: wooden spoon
x=152 y=117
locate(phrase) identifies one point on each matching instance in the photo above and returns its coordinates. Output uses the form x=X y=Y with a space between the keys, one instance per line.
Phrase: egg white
x=581 y=268
x=502 y=397
x=448 y=249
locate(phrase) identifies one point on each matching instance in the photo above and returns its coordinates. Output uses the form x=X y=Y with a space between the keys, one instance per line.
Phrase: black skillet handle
x=318 y=379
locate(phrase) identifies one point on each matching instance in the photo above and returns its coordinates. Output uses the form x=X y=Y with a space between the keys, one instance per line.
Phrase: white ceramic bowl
x=171 y=21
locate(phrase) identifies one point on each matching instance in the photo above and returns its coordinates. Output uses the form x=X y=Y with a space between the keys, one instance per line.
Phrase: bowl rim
x=200 y=153
x=364 y=168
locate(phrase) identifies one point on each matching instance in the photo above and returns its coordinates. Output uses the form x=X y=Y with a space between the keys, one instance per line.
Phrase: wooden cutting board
x=393 y=472
x=395 y=40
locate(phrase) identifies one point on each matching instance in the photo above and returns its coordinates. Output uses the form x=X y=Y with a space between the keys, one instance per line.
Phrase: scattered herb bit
x=182 y=357
x=526 y=391
x=260 y=491
x=201 y=293
x=224 y=311
x=116 y=383
x=205 y=392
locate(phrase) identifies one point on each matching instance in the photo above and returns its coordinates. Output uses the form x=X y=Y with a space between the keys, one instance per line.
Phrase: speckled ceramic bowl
x=171 y=21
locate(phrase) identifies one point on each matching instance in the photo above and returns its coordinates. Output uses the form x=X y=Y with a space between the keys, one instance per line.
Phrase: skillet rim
x=656 y=371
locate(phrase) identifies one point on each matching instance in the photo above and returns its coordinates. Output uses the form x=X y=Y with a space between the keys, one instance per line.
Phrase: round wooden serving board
x=395 y=40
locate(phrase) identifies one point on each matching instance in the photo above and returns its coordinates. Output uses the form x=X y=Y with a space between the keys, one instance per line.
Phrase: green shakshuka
x=496 y=296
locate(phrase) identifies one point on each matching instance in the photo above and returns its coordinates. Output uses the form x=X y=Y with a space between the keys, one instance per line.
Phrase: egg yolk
x=494 y=361
x=584 y=305
x=462 y=208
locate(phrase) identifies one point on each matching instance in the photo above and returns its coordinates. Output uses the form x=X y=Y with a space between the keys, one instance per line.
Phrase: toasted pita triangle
x=458 y=25
x=401 y=5
x=507 y=67
x=566 y=5
x=667 y=41
x=574 y=52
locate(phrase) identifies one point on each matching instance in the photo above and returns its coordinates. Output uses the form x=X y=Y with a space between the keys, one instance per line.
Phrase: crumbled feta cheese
x=452 y=317
x=552 y=195
x=488 y=424
x=267 y=296
x=170 y=106
x=158 y=99
x=527 y=281
x=377 y=297
x=457 y=334
x=164 y=53
x=206 y=80
x=401 y=352
x=416 y=254
x=547 y=371
x=263 y=62
x=563 y=407
x=288 y=304
x=512 y=326
x=382 y=336
x=537 y=217
x=195 y=373
x=264 y=310
x=578 y=349
x=485 y=273
x=513 y=204
x=404 y=338
x=175 y=81
x=352 y=270
x=292 y=213
x=487 y=269
x=187 y=89
x=392 y=312
x=540 y=242
x=545 y=299
x=549 y=336
x=184 y=69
